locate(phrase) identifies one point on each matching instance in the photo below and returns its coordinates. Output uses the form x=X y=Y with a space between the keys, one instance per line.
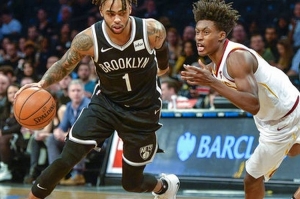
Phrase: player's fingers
x=202 y=65
x=193 y=69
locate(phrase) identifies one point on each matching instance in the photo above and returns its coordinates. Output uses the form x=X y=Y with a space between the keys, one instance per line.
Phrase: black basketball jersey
x=128 y=73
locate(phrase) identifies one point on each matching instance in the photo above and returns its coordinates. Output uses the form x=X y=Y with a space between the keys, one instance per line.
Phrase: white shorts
x=276 y=139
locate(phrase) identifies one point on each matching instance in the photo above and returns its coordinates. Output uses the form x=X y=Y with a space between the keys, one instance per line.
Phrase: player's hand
x=197 y=75
x=38 y=84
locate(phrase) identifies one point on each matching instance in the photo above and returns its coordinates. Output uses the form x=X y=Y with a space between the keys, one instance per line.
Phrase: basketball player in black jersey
x=129 y=54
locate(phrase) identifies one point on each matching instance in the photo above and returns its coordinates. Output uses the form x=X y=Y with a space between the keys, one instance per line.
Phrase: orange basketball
x=34 y=108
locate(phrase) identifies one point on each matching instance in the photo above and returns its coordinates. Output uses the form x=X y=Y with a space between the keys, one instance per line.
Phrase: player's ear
x=100 y=10
x=130 y=9
x=222 y=35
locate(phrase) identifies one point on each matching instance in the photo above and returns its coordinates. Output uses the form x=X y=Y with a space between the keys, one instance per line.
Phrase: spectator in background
x=26 y=80
x=56 y=141
x=4 y=83
x=11 y=27
x=286 y=53
x=44 y=25
x=271 y=39
x=11 y=56
x=51 y=60
x=21 y=46
x=257 y=44
x=8 y=128
x=30 y=50
x=282 y=25
x=29 y=71
x=174 y=45
x=64 y=17
x=239 y=34
x=189 y=56
x=81 y=10
x=42 y=55
x=62 y=94
x=62 y=41
x=148 y=10
x=9 y=72
x=84 y=72
x=294 y=70
x=294 y=27
x=33 y=35
x=169 y=93
x=188 y=33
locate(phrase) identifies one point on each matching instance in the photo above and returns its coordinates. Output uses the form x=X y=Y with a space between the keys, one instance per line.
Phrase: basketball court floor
x=20 y=191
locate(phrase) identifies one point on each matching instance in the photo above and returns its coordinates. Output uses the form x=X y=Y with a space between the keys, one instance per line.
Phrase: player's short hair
x=124 y=2
x=222 y=14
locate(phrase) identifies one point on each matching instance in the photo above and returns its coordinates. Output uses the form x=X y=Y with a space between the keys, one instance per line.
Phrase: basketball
x=34 y=108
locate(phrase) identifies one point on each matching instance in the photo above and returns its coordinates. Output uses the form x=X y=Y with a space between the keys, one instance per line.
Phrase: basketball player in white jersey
x=248 y=81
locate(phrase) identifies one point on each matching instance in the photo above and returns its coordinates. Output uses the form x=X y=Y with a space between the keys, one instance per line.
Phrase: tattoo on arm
x=157 y=30
x=80 y=44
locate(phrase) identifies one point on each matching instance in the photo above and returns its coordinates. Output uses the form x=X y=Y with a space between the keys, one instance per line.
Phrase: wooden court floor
x=20 y=191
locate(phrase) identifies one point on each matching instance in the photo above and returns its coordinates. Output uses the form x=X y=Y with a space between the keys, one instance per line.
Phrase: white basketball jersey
x=277 y=95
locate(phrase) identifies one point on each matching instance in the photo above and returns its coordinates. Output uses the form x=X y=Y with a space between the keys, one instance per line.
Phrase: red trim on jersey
x=293 y=108
x=218 y=65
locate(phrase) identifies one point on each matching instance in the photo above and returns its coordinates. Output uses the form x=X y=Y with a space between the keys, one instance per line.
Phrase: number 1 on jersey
x=126 y=77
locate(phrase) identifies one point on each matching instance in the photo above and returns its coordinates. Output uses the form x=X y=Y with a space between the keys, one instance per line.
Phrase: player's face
x=208 y=37
x=116 y=18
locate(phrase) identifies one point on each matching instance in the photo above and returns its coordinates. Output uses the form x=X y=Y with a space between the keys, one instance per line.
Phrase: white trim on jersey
x=121 y=48
x=146 y=38
x=95 y=44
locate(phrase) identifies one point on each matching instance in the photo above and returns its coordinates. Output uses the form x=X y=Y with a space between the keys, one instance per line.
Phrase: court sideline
x=20 y=191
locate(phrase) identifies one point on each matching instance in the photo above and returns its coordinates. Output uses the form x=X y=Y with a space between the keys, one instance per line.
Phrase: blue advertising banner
x=211 y=146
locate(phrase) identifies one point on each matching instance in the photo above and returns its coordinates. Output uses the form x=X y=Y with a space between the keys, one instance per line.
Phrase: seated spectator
x=282 y=25
x=294 y=70
x=239 y=34
x=4 y=83
x=9 y=127
x=9 y=72
x=174 y=45
x=294 y=27
x=56 y=141
x=44 y=25
x=257 y=44
x=188 y=33
x=270 y=39
x=27 y=70
x=62 y=93
x=84 y=72
x=188 y=56
x=169 y=93
x=11 y=56
x=11 y=27
x=286 y=53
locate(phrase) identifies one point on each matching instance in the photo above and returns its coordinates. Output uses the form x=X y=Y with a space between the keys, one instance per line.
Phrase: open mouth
x=200 y=47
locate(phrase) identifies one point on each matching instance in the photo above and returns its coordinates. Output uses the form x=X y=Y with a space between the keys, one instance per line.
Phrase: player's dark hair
x=222 y=14
x=124 y=3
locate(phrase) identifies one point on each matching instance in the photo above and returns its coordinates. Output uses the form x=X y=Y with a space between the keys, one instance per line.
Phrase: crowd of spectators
x=34 y=34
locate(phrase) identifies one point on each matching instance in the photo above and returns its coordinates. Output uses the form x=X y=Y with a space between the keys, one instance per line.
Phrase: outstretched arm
x=240 y=66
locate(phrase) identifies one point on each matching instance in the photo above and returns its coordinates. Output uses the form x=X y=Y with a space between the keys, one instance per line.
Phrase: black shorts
x=137 y=129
